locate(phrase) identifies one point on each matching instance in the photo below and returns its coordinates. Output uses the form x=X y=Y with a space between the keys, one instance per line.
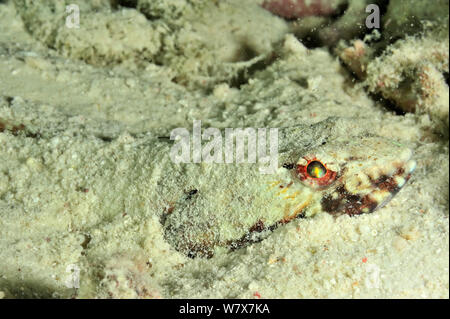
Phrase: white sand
x=47 y=224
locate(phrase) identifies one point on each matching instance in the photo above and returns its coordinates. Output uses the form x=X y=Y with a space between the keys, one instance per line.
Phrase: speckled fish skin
x=235 y=205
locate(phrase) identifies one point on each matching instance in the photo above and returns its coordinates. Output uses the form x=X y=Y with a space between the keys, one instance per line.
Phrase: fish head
x=351 y=175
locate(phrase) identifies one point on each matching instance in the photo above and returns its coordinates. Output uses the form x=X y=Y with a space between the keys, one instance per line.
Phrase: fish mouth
x=378 y=191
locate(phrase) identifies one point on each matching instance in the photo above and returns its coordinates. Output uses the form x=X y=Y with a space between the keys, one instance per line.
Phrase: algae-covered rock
x=176 y=34
x=114 y=35
x=408 y=17
x=407 y=63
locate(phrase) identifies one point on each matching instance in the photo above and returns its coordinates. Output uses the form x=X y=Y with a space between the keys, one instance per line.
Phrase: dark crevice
x=303 y=82
x=125 y=3
x=191 y=193
x=105 y=138
x=9 y=100
x=240 y=80
x=311 y=41
x=339 y=11
x=86 y=241
x=246 y=74
x=383 y=5
x=388 y=104
x=246 y=53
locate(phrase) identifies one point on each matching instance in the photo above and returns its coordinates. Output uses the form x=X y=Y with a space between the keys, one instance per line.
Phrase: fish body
x=208 y=208
x=235 y=205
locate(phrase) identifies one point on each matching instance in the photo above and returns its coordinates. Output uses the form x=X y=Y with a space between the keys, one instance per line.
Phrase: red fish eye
x=315 y=173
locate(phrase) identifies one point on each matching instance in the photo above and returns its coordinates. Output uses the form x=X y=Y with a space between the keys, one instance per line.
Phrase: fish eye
x=316 y=169
x=314 y=173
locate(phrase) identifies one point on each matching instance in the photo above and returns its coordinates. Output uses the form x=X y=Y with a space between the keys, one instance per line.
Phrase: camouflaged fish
x=208 y=208
x=321 y=170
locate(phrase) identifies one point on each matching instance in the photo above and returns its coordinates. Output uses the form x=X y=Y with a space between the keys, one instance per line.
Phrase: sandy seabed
x=71 y=100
